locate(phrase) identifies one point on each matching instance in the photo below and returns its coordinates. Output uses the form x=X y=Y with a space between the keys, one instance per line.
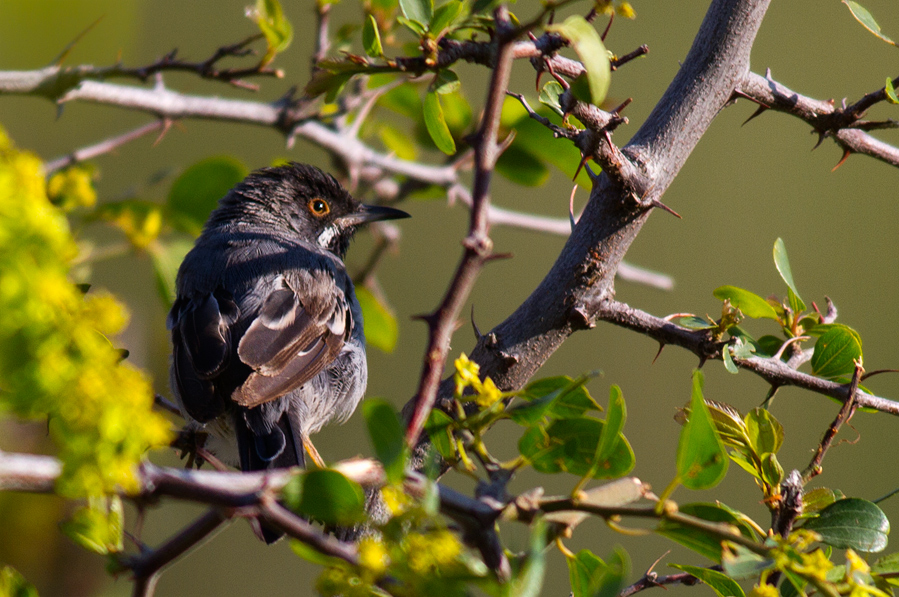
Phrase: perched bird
x=267 y=334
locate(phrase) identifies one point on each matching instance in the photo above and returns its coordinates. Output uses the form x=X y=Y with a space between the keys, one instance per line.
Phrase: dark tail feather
x=278 y=449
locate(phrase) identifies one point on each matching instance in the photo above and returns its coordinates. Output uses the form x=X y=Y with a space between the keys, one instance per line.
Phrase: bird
x=267 y=334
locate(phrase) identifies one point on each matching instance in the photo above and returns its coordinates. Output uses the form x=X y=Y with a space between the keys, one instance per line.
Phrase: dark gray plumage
x=267 y=335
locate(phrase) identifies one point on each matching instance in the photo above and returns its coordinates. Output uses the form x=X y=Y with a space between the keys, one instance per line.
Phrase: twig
x=478 y=245
x=98 y=149
x=846 y=412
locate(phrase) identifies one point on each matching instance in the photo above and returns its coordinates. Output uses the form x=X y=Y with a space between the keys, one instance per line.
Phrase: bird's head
x=304 y=201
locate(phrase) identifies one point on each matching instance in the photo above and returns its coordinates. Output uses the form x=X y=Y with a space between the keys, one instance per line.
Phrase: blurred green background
x=743 y=187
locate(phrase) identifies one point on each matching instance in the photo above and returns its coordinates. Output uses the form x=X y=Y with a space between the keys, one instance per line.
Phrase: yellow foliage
x=55 y=361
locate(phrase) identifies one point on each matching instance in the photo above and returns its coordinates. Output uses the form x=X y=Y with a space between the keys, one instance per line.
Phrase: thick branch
x=823 y=116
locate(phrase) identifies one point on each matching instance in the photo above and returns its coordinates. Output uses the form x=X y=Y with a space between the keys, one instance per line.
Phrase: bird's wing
x=201 y=338
x=299 y=330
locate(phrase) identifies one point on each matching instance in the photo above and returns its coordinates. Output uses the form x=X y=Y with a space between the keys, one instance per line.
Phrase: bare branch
x=840 y=124
x=98 y=149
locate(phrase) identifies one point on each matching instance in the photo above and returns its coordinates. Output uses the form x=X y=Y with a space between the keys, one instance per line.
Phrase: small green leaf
x=728 y=359
x=274 y=25
x=396 y=141
x=438 y=429
x=371 y=38
x=555 y=397
x=436 y=124
x=719 y=582
x=549 y=96
x=444 y=16
x=618 y=569
x=331 y=498
x=886 y=565
x=446 y=82
x=403 y=100
x=699 y=541
x=782 y=262
x=852 y=523
x=310 y=554
x=751 y=304
x=692 y=322
x=13 y=584
x=197 y=191
x=414 y=26
x=701 y=459
x=864 y=17
x=817 y=499
x=772 y=471
x=765 y=432
x=419 y=11
x=387 y=437
x=890 y=91
x=98 y=526
x=616 y=415
x=585 y=571
x=569 y=445
x=836 y=352
x=586 y=42
x=740 y=563
x=166 y=258
x=381 y=328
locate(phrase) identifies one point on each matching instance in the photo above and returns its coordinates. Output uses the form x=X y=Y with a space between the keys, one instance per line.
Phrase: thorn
x=843 y=159
x=540 y=72
x=768 y=73
x=702 y=361
x=657 y=203
x=584 y=159
x=623 y=105
x=571 y=219
x=477 y=332
x=739 y=93
x=821 y=136
x=497 y=257
x=758 y=112
x=429 y=318
x=655 y=358
x=166 y=125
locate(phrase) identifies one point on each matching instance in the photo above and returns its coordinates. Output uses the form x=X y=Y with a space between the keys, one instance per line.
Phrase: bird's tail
x=279 y=448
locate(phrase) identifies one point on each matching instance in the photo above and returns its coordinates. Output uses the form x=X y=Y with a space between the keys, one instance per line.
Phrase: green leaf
x=728 y=359
x=446 y=82
x=864 y=17
x=381 y=328
x=310 y=554
x=436 y=124
x=740 y=563
x=438 y=429
x=699 y=541
x=331 y=498
x=783 y=266
x=549 y=96
x=403 y=100
x=569 y=445
x=387 y=437
x=890 y=91
x=522 y=167
x=719 y=582
x=772 y=471
x=616 y=415
x=98 y=526
x=692 y=322
x=197 y=191
x=619 y=567
x=701 y=459
x=166 y=258
x=419 y=11
x=371 y=38
x=852 y=523
x=886 y=565
x=586 y=42
x=836 y=352
x=274 y=25
x=765 y=432
x=13 y=584
x=530 y=580
x=751 y=304
x=414 y=26
x=817 y=499
x=444 y=16
x=585 y=571
x=555 y=397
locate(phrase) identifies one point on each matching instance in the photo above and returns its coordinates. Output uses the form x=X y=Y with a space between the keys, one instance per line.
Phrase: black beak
x=372 y=213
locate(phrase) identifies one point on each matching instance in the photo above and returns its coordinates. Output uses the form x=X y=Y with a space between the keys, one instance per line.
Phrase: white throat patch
x=324 y=239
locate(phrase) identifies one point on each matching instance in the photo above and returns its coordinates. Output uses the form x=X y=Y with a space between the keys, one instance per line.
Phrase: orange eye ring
x=318 y=207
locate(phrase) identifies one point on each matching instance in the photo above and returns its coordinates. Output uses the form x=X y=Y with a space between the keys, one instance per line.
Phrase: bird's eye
x=318 y=207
